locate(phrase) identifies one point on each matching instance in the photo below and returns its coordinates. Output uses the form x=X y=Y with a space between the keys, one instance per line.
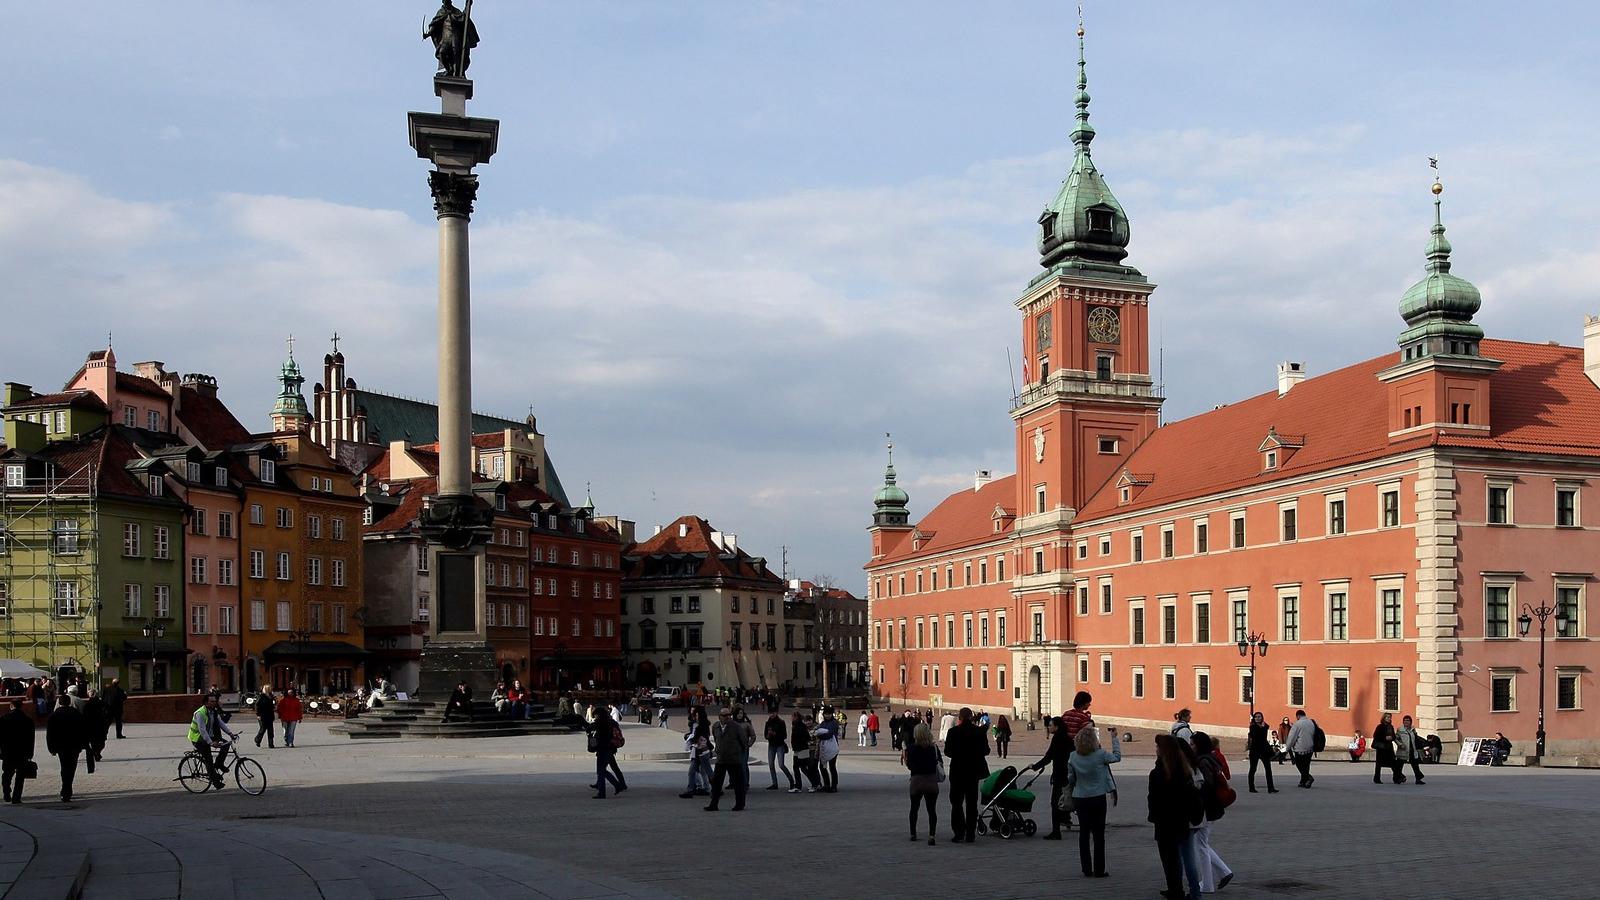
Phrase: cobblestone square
x=512 y=817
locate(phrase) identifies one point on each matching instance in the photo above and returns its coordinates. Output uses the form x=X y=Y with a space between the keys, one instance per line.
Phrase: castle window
x=1100 y=219
x=1108 y=445
x=1047 y=225
x=1102 y=368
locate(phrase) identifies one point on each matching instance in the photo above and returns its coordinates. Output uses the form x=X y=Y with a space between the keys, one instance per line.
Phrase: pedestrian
x=827 y=733
x=1259 y=746
x=1057 y=755
x=1283 y=731
x=1302 y=744
x=266 y=714
x=66 y=736
x=290 y=712
x=1174 y=808
x=1002 y=737
x=966 y=747
x=1180 y=726
x=1213 y=766
x=907 y=731
x=895 y=721
x=116 y=699
x=697 y=740
x=1383 y=750
x=805 y=757
x=777 y=735
x=925 y=763
x=872 y=726
x=97 y=719
x=1091 y=781
x=732 y=750
x=16 y=751
x=460 y=701
x=861 y=729
x=946 y=722
x=1407 y=749
x=605 y=736
x=661 y=716
x=741 y=719
x=1077 y=718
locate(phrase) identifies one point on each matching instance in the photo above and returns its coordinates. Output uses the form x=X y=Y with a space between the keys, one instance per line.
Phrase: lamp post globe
x=1524 y=624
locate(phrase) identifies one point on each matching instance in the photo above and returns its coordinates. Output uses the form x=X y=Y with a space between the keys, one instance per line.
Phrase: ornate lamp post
x=154 y=629
x=1252 y=646
x=1524 y=624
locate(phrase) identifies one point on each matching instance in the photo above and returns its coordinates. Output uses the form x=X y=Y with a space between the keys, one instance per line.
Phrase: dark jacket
x=1057 y=754
x=265 y=708
x=96 y=718
x=65 y=732
x=1383 y=742
x=1174 y=804
x=922 y=760
x=115 y=697
x=966 y=746
x=777 y=732
x=1260 y=747
x=16 y=737
x=604 y=740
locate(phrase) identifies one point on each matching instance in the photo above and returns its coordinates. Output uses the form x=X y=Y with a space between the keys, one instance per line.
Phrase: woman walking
x=1002 y=737
x=1407 y=749
x=698 y=741
x=777 y=735
x=1174 y=807
x=1260 y=749
x=1383 y=750
x=603 y=737
x=828 y=751
x=1214 y=872
x=1089 y=774
x=805 y=755
x=922 y=758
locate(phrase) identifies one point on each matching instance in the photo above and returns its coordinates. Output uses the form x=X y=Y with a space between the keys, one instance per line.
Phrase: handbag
x=941 y=771
x=29 y=769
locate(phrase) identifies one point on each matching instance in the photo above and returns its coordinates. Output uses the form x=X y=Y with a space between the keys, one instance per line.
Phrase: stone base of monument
x=446 y=663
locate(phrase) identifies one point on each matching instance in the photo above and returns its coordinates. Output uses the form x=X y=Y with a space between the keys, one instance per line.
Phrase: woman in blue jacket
x=1089 y=774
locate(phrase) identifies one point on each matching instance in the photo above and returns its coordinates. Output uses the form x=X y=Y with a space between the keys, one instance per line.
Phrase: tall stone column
x=456 y=523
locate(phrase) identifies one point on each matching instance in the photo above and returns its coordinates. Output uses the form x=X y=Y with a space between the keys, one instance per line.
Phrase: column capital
x=453 y=194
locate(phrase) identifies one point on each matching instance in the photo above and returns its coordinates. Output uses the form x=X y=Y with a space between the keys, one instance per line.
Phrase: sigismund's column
x=455 y=521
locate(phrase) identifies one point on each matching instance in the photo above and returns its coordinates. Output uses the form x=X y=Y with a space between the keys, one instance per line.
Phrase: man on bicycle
x=206 y=730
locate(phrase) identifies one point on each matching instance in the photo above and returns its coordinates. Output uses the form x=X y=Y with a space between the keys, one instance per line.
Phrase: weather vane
x=1433 y=163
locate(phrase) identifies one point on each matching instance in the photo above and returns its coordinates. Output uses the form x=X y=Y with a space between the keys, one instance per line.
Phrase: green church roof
x=1441 y=304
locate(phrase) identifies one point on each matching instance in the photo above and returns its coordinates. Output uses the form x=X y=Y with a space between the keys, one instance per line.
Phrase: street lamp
x=1524 y=624
x=154 y=629
x=1252 y=646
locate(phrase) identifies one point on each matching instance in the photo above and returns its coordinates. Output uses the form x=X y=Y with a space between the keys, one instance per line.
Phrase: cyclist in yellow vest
x=206 y=730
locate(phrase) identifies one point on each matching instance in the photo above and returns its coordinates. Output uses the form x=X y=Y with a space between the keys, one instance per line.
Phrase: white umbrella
x=16 y=668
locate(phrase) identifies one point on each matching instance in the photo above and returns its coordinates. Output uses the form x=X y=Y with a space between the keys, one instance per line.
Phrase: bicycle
x=247 y=773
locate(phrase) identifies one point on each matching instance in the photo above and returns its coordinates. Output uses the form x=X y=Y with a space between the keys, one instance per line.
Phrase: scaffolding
x=50 y=570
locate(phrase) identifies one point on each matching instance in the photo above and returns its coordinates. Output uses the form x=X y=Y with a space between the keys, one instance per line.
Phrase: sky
x=725 y=246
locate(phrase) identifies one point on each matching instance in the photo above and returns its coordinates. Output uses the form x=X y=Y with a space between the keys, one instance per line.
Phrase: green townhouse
x=91 y=545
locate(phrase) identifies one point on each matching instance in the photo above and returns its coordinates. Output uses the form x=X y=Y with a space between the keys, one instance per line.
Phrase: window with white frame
x=1389 y=689
x=5 y=599
x=1336 y=523
x=1391 y=612
x=1339 y=688
x=1202 y=618
x=1105 y=545
x=338 y=573
x=1297 y=687
x=131 y=539
x=1499 y=511
x=258 y=615
x=197 y=570
x=258 y=564
x=161 y=543
x=1567 y=515
x=1498 y=600
x=1239 y=604
x=1202 y=536
x=1289 y=522
x=163 y=601
x=1338 y=611
x=1289 y=615
x=1169 y=620
x=1569 y=609
x=225 y=524
x=1169 y=683
x=1136 y=546
x=225 y=619
x=314 y=527
x=269 y=470
x=66 y=534
x=1569 y=682
x=1083 y=669
x=1202 y=684
x=257 y=516
x=1247 y=686
x=1083 y=599
x=1502 y=690
x=14 y=476
x=1105 y=670
x=1138 y=681
x=1135 y=621
x=1038 y=626
x=284 y=569
x=198 y=619
x=132 y=601
x=285 y=517
x=1236 y=520
x=1105 y=596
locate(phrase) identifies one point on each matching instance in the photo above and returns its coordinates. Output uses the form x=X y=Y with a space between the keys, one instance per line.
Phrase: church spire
x=890 y=500
x=1438 y=309
x=289 y=413
x=1084 y=227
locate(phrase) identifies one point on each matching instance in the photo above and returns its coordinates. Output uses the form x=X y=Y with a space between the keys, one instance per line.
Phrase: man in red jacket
x=872 y=726
x=1076 y=718
x=290 y=712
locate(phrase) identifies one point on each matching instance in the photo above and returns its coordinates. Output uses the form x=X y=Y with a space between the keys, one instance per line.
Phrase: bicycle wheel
x=192 y=774
x=249 y=775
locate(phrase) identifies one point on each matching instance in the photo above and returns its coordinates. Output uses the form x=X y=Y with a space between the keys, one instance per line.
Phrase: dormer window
x=194 y=473
x=221 y=477
x=1101 y=219
x=269 y=470
x=155 y=484
x=1047 y=225
x=1272 y=459
x=1124 y=495
x=500 y=502
x=14 y=477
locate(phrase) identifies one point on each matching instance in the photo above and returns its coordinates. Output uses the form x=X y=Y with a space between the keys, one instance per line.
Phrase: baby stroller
x=1005 y=804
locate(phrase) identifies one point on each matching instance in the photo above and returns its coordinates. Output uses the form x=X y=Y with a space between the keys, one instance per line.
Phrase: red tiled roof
x=696 y=541
x=961 y=519
x=210 y=420
x=409 y=510
x=81 y=398
x=1540 y=402
x=139 y=384
x=489 y=441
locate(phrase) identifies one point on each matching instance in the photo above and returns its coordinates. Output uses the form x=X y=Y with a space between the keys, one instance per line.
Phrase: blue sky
x=725 y=246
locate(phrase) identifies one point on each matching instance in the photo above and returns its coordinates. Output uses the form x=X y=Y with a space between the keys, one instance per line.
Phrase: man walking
x=290 y=712
x=965 y=747
x=16 y=751
x=728 y=741
x=1057 y=754
x=97 y=719
x=116 y=698
x=777 y=734
x=861 y=729
x=1301 y=744
x=872 y=726
x=66 y=736
x=266 y=714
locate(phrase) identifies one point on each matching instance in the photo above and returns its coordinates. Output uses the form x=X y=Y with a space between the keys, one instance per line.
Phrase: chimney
x=204 y=385
x=683 y=529
x=152 y=369
x=15 y=392
x=981 y=478
x=1289 y=375
x=730 y=541
x=1591 y=348
x=716 y=539
x=656 y=532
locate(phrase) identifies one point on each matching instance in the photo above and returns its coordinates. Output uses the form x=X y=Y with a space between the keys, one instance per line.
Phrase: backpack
x=617 y=740
x=1319 y=741
x=1215 y=793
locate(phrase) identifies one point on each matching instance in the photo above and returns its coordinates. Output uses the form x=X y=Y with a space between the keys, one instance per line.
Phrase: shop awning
x=314 y=650
x=16 y=668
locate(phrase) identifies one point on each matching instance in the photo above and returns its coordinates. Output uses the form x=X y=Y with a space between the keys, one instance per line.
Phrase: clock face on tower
x=1104 y=326
x=1042 y=331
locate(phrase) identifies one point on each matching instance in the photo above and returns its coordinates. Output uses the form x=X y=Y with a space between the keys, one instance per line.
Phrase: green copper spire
x=890 y=500
x=1084 y=227
x=290 y=402
x=1438 y=309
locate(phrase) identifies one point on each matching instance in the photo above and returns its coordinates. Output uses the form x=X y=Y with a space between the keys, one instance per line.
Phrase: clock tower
x=1088 y=400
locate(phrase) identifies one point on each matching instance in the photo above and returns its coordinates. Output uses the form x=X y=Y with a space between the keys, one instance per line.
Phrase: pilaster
x=1437 y=600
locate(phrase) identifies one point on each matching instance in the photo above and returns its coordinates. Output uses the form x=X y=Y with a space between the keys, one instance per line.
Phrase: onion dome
x=1438 y=309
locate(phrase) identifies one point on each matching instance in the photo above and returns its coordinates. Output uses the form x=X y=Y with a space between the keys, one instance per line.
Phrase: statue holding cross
x=453 y=35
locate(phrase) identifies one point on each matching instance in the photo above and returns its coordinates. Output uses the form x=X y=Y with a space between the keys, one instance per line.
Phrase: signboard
x=1476 y=752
